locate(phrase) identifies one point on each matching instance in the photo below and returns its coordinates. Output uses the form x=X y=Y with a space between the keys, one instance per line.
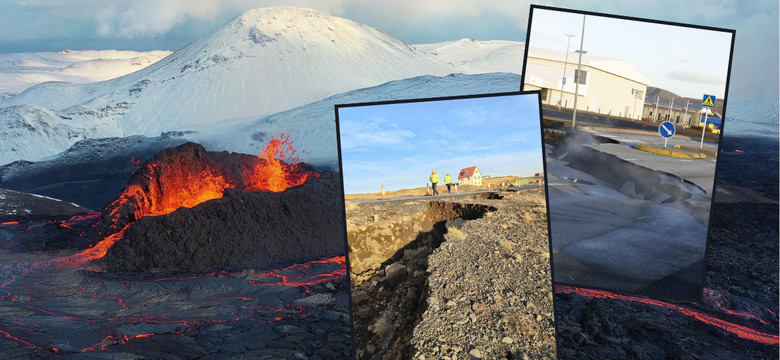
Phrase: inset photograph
x=446 y=221
x=631 y=136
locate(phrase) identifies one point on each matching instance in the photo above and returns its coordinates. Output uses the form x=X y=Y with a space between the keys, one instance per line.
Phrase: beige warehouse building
x=608 y=86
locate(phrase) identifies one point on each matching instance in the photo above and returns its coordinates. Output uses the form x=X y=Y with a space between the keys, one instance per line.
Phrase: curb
x=688 y=148
x=670 y=153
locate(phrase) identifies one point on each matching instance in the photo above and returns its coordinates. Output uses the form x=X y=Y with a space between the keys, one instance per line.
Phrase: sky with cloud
x=53 y=25
x=687 y=61
x=399 y=144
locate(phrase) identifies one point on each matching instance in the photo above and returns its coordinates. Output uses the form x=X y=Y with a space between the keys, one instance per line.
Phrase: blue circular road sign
x=666 y=129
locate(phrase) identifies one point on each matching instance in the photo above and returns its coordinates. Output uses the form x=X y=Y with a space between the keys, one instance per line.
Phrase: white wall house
x=470 y=176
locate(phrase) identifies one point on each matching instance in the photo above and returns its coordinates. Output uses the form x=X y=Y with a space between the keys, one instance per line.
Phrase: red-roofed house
x=470 y=176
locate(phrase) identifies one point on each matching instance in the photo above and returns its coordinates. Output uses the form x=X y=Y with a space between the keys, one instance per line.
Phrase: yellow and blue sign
x=708 y=101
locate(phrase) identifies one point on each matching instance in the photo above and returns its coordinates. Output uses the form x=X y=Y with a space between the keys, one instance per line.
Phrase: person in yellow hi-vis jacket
x=434 y=180
x=448 y=182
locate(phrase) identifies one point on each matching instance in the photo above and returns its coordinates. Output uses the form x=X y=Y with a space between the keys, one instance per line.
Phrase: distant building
x=679 y=111
x=470 y=176
x=539 y=174
x=607 y=85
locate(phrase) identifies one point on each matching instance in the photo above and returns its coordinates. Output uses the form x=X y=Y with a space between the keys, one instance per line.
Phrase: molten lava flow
x=303 y=277
x=279 y=170
x=173 y=188
x=191 y=176
x=739 y=330
x=97 y=251
x=187 y=191
x=176 y=182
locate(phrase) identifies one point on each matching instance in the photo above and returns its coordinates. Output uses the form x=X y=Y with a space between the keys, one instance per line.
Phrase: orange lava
x=290 y=280
x=279 y=170
x=183 y=189
x=739 y=330
x=98 y=251
x=182 y=185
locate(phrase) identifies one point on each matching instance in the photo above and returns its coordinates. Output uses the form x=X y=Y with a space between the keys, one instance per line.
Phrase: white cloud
x=694 y=77
x=356 y=134
x=145 y=18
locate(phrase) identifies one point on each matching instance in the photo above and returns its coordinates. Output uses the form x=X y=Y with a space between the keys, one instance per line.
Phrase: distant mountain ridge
x=654 y=91
x=263 y=62
x=19 y=71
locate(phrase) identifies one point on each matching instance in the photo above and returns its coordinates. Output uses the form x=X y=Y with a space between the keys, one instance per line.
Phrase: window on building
x=580 y=79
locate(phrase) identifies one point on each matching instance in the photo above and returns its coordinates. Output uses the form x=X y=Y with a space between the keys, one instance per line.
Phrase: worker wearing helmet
x=434 y=180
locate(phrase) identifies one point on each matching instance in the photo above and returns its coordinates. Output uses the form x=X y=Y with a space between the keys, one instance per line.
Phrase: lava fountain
x=189 y=175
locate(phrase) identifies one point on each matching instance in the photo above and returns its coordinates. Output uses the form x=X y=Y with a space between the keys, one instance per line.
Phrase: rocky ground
x=249 y=275
x=464 y=289
x=737 y=318
x=53 y=308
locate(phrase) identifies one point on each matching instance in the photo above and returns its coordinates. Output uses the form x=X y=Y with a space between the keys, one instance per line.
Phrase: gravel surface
x=464 y=290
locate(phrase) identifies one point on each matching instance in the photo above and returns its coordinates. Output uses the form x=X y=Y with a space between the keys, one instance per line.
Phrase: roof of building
x=466 y=172
x=618 y=67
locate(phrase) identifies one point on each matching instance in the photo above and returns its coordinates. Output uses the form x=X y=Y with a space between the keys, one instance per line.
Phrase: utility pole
x=655 y=114
x=579 y=75
x=565 y=62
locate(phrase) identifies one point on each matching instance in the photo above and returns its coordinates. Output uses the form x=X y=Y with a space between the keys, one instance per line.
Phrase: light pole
x=579 y=75
x=565 y=62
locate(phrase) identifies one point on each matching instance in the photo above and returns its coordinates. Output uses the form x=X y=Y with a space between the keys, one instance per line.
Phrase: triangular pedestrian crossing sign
x=707 y=101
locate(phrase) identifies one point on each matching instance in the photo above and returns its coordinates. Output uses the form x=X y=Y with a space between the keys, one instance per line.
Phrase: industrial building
x=607 y=85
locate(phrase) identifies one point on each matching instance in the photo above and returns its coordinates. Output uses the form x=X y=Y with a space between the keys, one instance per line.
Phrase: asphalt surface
x=442 y=195
x=585 y=118
x=606 y=235
x=700 y=172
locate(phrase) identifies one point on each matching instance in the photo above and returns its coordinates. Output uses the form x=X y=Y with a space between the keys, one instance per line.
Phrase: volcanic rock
x=169 y=176
x=188 y=209
x=240 y=230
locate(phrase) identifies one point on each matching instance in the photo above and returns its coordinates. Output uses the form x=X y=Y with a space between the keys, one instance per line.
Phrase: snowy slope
x=32 y=132
x=19 y=71
x=313 y=127
x=263 y=62
x=470 y=56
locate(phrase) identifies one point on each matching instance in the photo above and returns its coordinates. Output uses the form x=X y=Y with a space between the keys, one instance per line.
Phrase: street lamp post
x=565 y=62
x=579 y=75
x=705 y=111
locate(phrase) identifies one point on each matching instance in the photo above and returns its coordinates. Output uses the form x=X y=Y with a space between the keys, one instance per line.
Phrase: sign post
x=707 y=102
x=666 y=130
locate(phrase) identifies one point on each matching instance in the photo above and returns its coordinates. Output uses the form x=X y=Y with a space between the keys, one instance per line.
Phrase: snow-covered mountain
x=313 y=126
x=263 y=62
x=478 y=57
x=19 y=71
